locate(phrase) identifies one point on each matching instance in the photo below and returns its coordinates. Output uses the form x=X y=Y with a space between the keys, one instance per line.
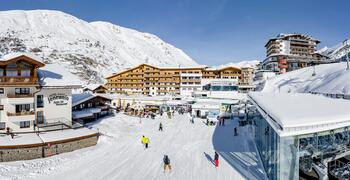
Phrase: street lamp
x=345 y=42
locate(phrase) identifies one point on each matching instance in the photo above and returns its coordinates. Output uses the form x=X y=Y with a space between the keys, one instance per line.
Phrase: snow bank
x=329 y=78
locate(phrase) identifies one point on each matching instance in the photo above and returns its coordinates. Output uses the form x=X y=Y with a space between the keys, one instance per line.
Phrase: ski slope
x=120 y=155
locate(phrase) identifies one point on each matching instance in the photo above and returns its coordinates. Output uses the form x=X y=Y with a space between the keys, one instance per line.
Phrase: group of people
x=166 y=160
x=221 y=121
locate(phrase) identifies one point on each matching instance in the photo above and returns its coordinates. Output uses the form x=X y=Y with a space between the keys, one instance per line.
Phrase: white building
x=305 y=132
x=190 y=82
x=33 y=94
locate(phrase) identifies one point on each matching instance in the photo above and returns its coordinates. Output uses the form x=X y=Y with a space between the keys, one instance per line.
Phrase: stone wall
x=27 y=152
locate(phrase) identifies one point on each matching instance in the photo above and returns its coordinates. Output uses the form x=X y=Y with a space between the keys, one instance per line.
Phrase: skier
x=216 y=159
x=160 y=127
x=235 y=129
x=223 y=121
x=145 y=141
x=166 y=161
x=207 y=123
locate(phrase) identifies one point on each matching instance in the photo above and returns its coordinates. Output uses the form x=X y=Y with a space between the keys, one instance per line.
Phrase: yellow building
x=150 y=80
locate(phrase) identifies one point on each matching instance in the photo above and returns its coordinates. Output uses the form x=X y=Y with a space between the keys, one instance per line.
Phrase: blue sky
x=213 y=31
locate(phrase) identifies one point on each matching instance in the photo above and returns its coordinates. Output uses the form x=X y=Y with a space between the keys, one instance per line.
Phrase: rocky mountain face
x=337 y=52
x=91 y=50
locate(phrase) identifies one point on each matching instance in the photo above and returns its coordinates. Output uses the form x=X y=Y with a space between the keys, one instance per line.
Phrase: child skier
x=216 y=159
x=160 y=127
x=166 y=161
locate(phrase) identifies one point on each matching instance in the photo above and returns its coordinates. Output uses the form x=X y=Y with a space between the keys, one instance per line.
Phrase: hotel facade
x=288 y=52
x=30 y=97
x=150 y=80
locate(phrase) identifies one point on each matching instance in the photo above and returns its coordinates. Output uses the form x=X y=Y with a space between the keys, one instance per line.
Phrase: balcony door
x=40 y=117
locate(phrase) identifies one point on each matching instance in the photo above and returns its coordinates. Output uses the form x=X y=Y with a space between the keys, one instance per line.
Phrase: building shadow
x=239 y=151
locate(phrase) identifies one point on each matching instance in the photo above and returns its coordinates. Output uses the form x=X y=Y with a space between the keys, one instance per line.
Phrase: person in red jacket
x=216 y=159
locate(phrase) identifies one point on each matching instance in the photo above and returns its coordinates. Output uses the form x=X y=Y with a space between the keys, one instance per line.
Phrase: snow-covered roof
x=79 y=98
x=18 y=54
x=85 y=113
x=55 y=75
x=298 y=113
x=92 y=86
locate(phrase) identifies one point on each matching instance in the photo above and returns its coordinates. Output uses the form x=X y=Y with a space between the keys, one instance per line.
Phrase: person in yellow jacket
x=145 y=141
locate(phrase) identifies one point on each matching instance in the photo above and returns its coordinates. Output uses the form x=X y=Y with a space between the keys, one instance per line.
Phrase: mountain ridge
x=91 y=50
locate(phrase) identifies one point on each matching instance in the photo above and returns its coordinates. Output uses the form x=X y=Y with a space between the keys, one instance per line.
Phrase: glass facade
x=279 y=155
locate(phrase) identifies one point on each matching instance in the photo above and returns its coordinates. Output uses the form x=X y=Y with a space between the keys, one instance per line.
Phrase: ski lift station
x=304 y=132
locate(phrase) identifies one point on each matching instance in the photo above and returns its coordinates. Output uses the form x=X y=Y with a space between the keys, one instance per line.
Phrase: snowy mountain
x=251 y=63
x=337 y=52
x=329 y=78
x=92 y=50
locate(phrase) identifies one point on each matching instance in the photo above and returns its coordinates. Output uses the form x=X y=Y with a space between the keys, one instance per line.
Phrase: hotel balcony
x=20 y=98
x=20 y=95
x=21 y=116
x=17 y=80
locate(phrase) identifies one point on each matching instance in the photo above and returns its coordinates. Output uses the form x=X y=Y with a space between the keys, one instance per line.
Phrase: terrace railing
x=6 y=80
x=20 y=95
x=24 y=113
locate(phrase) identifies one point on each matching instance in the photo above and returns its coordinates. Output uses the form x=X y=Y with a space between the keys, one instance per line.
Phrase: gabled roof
x=13 y=57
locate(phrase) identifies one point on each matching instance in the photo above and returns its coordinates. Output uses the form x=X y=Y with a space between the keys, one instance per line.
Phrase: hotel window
x=24 y=124
x=2 y=125
x=40 y=101
x=1 y=107
x=22 y=90
x=1 y=90
x=1 y=72
x=22 y=107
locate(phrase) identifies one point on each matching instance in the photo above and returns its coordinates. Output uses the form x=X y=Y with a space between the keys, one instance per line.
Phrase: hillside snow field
x=119 y=153
x=91 y=50
x=329 y=78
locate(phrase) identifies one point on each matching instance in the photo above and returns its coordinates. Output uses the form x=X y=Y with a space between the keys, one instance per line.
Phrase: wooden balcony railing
x=5 y=80
x=20 y=95
x=24 y=113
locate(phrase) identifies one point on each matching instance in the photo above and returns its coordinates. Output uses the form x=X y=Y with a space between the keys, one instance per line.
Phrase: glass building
x=300 y=131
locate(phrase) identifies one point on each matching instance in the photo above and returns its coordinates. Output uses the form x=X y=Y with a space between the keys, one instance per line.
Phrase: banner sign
x=58 y=99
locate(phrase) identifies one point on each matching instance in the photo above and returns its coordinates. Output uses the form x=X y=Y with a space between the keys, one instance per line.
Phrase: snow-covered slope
x=92 y=50
x=329 y=78
x=251 y=63
x=119 y=155
x=337 y=52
